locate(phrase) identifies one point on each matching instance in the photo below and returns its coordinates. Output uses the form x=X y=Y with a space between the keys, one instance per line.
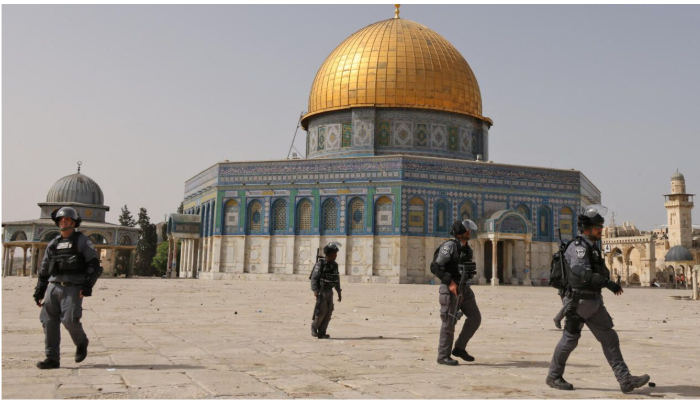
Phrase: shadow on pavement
x=146 y=367
x=372 y=338
x=521 y=364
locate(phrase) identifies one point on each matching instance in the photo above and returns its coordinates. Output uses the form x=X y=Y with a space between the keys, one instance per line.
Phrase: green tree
x=181 y=209
x=160 y=261
x=125 y=219
x=146 y=248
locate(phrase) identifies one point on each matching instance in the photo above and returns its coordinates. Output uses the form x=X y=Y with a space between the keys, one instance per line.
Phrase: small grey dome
x=76 y=188
x=677 y=176
x=678 y=253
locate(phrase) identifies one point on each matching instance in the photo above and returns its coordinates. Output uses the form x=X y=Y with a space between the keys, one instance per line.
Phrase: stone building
x=83 y=194
x=397 y=148
x=666 y=252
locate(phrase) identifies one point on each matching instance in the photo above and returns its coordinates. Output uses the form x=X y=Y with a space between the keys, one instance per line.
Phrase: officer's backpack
x=433 y=265
x=558 y=279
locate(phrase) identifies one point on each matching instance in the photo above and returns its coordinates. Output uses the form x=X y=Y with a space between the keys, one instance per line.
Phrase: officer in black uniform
x=68 y=273
x=325 y=277
x=445 y=267
x=587 y=275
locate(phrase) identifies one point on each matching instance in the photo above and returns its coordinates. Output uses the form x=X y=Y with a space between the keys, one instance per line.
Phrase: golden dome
x=395 y=63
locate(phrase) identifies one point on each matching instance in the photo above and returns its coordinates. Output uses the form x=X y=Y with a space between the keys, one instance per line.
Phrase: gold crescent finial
x=79 y=164
x=396 y=11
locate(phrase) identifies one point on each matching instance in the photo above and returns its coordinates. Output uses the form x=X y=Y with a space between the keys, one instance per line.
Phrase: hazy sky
x=148 y=96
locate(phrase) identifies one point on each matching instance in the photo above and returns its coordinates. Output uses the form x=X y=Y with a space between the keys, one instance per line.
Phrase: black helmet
x=331 y=247
x=460 y=227
x=66 y=212
x=593 y=215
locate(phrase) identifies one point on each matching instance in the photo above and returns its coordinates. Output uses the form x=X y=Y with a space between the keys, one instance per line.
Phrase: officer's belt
x=583 y=295
x=67 y=283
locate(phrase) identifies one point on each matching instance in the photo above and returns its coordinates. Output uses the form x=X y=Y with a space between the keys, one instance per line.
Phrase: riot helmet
x=592 y=215
x=66 y=212
x=331 y=247
x=460 y=227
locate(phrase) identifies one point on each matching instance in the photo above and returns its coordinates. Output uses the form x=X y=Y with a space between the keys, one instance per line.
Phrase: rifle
x=319 y=298
x=562 y=248
x=467 y=270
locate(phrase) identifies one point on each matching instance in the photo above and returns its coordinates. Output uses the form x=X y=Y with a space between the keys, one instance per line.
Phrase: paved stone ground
x=202 y=339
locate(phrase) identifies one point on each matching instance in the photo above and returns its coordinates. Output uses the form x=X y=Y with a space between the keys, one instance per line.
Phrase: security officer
x=586 y=277
x=68 y=273
x=325 y=277
x=445 y=267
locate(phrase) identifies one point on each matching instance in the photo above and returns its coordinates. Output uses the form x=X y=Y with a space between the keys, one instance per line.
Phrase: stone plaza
x=161 y=338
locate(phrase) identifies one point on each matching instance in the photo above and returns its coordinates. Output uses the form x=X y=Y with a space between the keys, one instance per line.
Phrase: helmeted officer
x=68 y=273
x=445 y=267
x=325 y=277
x=587 y=275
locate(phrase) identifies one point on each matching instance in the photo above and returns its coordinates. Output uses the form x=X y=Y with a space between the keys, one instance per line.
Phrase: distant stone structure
x=397 y=148
x=84 y=195
x=667 y=252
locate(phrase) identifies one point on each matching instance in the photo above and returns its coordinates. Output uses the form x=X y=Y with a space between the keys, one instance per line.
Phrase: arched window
x=330 y=217
x=255 y=217
x=416 y=215
x=566 y=222
x=304 y=217
x=384 y=211
x=442 y=217
x=96 y=238
x=544 y=220
x=18 y=236
x=279 y=216
x=465 y=211
x=357 y=216
x=126 y=240
x=524 y=210
x=231 y=211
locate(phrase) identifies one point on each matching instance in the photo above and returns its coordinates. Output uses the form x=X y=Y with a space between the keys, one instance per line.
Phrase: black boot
x=314 y=331
x=81 y=351
x=448 y=361
x=634 y=383
x=48 y=364
x=322 y=335
x=559 y=383
x=462 y=354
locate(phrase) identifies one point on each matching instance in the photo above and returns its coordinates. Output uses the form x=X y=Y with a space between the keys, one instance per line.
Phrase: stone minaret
x=678 y=206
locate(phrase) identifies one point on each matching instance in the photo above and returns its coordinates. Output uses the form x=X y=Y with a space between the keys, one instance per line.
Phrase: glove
x=613 y=287
x=40 y=291
x=87 y=291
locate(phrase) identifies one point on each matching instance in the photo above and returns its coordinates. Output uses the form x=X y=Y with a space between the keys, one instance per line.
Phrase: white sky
x=148 y=96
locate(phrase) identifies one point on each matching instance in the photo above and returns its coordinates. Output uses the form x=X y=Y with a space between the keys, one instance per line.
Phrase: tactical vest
x=65 y=257
x=596 y=261
x=329 y=274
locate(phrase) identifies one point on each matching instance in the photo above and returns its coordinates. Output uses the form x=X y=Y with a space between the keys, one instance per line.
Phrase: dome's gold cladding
x=396 y=63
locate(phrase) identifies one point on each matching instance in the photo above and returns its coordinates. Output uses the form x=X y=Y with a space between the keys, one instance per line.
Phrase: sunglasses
x=598 y=226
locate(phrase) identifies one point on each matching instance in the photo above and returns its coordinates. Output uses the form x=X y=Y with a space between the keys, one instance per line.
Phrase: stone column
x=12 y=261
x=24 y=263
x=696 y=272
x=494 y=262
x=170 y=257
x=195 y=258
x=511 y=255
x=35 y=261
x=480 y=267
x=527 y=281
x=5 y=263
x=173 y=273
x=114 y=262
x=130 y=266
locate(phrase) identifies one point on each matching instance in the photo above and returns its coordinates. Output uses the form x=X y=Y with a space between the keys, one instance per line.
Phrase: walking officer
x=452 y=260
x=587 y=275
x=325 y=277
x=68 y=273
